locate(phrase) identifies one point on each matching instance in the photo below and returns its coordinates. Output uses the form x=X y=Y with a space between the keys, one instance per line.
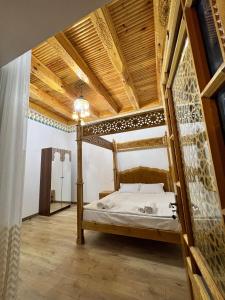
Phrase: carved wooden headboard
x=146 y=175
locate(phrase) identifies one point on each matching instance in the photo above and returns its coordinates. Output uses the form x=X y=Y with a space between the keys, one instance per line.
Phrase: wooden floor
x=107 y=267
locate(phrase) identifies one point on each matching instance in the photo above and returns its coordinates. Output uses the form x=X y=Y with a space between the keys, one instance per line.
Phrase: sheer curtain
x=14 y=95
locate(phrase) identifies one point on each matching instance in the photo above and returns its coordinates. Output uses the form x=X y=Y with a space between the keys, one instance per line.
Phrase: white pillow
x=129 y=188
x=152 y=188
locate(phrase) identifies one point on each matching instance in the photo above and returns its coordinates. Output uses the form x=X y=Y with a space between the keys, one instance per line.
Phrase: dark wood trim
x=216 y=143
x=60 y=209
x=80 y=200
x=209 y=107
x=45 y=181
x=144 y=233
x=197 y=47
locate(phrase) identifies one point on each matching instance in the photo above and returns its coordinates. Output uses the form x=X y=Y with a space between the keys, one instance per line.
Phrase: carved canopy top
x=137 y=121
x=145 y=175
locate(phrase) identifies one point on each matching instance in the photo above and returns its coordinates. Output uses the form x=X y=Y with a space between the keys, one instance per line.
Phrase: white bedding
x=125 y=211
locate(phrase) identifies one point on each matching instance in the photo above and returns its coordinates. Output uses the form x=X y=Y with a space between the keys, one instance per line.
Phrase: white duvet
x=131 y=202
x=125 y=210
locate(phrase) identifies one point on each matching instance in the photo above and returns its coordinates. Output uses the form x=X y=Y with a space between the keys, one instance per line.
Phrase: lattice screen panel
x=207 y=221
x=141 y=120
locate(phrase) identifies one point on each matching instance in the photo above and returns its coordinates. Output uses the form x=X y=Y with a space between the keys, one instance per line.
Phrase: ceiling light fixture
x=81 y=107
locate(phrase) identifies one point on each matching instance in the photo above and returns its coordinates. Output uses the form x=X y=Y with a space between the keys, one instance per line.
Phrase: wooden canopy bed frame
x=135 y=175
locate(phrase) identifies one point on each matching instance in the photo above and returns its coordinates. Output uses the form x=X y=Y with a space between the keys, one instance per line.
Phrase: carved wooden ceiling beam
x=141 y=120
x=44 y=74
x=161 y=14
x=103 y=24
x=74 y=60
x=49 y=102
x=164 y=9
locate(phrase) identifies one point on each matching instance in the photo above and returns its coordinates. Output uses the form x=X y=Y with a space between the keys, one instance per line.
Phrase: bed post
x=171 y=183
x=115 y=167
x=80 y=231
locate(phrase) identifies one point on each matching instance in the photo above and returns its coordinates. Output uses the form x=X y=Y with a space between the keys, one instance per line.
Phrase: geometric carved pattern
x=36 y=116
x=219 y=22
x=9 y=261
x=207 y=220
x=142 y=120
x=145 y=175
x=62 y=154
x=102 y=29
x=98 y=141
x=164 y=9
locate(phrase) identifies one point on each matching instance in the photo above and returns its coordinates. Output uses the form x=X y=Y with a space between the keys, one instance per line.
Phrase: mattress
x=125 y=211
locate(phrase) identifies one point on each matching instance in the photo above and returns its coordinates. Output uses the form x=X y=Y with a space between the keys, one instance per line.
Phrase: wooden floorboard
x=107 y=267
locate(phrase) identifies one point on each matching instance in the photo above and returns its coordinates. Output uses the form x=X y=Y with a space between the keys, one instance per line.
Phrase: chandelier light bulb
x=81 y=107
x=75 y=116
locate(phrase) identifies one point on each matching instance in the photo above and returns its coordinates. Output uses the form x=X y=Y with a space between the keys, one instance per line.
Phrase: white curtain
x=14 y=96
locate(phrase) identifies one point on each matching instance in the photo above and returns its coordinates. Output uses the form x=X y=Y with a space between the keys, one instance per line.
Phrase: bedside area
x=104 y=194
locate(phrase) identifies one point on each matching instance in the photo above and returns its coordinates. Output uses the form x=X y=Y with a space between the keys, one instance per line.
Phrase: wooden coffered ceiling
x=114 y=54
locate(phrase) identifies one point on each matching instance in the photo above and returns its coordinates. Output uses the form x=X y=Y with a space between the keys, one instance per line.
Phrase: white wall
x=40 y=136
x=98 y=162
x=154 y=158
x=97 y=171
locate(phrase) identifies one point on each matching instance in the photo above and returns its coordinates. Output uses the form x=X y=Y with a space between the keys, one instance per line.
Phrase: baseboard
x=29 y=217
x=35 y=215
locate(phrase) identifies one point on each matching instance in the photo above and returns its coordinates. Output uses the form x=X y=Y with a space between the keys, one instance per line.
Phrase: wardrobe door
x=66 y=186
x=56 y=182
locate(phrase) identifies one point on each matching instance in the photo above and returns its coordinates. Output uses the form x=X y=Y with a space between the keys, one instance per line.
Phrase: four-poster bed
x=140 y=175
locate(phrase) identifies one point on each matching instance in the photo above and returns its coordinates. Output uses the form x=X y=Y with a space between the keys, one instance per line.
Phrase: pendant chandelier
x=81 y=107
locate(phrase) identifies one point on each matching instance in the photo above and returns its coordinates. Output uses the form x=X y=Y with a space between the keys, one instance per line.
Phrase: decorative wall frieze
x=36 y=116
x=137 y=121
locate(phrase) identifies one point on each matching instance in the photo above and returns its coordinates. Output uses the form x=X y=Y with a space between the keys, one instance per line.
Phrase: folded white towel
x=103 y=205
x=148 y=209
x=141 y=210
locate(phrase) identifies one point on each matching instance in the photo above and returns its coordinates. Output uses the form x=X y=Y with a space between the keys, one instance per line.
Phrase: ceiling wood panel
x=114 y=53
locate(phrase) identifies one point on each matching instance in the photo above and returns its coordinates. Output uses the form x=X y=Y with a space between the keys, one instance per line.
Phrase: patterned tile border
x=38 y=117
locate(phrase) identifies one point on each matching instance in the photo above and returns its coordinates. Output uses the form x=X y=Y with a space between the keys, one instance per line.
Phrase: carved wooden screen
x=204 y=202
x=152 y=118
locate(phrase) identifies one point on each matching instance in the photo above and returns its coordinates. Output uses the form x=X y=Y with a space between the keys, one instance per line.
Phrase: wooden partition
x=191 y=83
